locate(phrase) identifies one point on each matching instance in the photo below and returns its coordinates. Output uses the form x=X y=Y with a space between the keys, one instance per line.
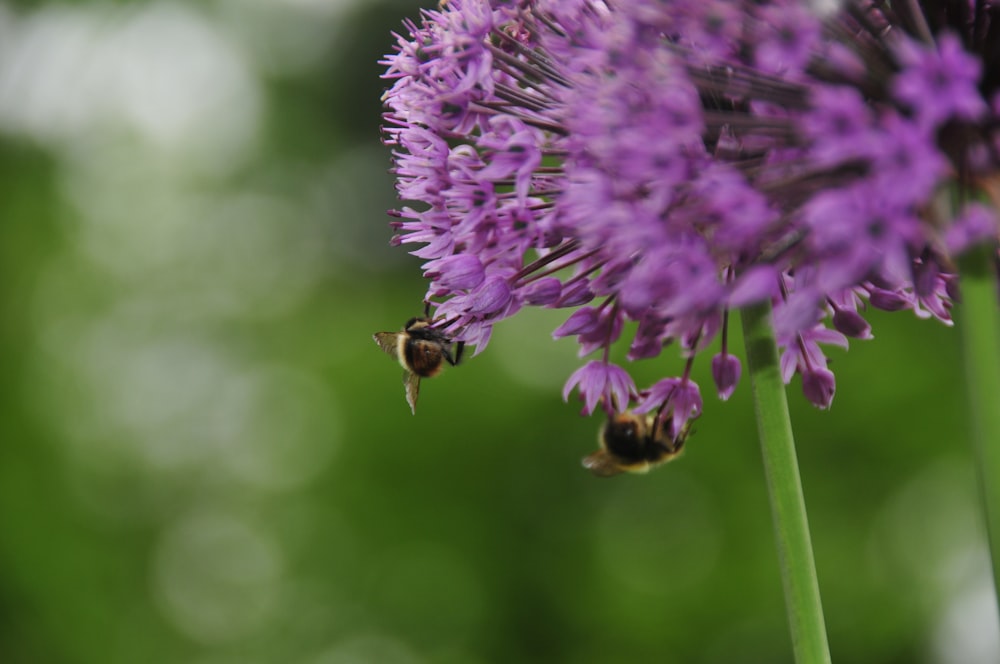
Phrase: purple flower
x=663 y=162
x=543 y=292
x=726 y=371
x=852 y=324
x=941 y=81
x=847 y=319
x=601 y=382
x=455 y=273
x=678 y=398
x=489 y=298
x=841 y=122
x=806 y=358
x=787 y=38
x=819 y=385
x=582 y=321
x=756 y=284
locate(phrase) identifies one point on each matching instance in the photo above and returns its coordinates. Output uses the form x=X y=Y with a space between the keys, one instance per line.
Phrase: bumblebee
x=421 y=350
x=634 y=443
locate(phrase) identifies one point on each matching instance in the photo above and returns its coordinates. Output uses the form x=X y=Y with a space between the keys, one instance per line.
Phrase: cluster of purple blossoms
x=664 y=162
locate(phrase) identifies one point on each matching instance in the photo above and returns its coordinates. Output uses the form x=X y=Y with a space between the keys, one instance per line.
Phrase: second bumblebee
x=632 y=443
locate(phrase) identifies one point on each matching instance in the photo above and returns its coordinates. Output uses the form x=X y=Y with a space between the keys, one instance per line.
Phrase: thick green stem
x=788 y=509
x=980 y=324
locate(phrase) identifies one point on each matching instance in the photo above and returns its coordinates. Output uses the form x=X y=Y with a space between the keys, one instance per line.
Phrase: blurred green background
x=205 y=458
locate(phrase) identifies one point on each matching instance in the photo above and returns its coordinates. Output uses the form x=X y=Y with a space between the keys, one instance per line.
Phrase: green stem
x=980 y=325
x=788 y=509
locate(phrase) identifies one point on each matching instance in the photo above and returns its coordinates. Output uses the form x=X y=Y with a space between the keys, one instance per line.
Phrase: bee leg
x=457 y=357
x=427 y=308
x=682 y=436
x=657 y=421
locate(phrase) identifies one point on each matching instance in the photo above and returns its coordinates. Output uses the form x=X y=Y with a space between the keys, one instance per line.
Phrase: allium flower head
x=661 y=162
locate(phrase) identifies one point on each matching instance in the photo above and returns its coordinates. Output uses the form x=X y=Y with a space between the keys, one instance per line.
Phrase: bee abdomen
x=424 y=358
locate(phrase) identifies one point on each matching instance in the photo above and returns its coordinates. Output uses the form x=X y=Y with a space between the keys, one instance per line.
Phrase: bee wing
x=388 y=342
x=412 y=383
x=601 y=464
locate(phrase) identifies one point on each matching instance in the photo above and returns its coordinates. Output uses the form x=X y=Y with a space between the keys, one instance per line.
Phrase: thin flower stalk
x=788 y=509
x=981 y=336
